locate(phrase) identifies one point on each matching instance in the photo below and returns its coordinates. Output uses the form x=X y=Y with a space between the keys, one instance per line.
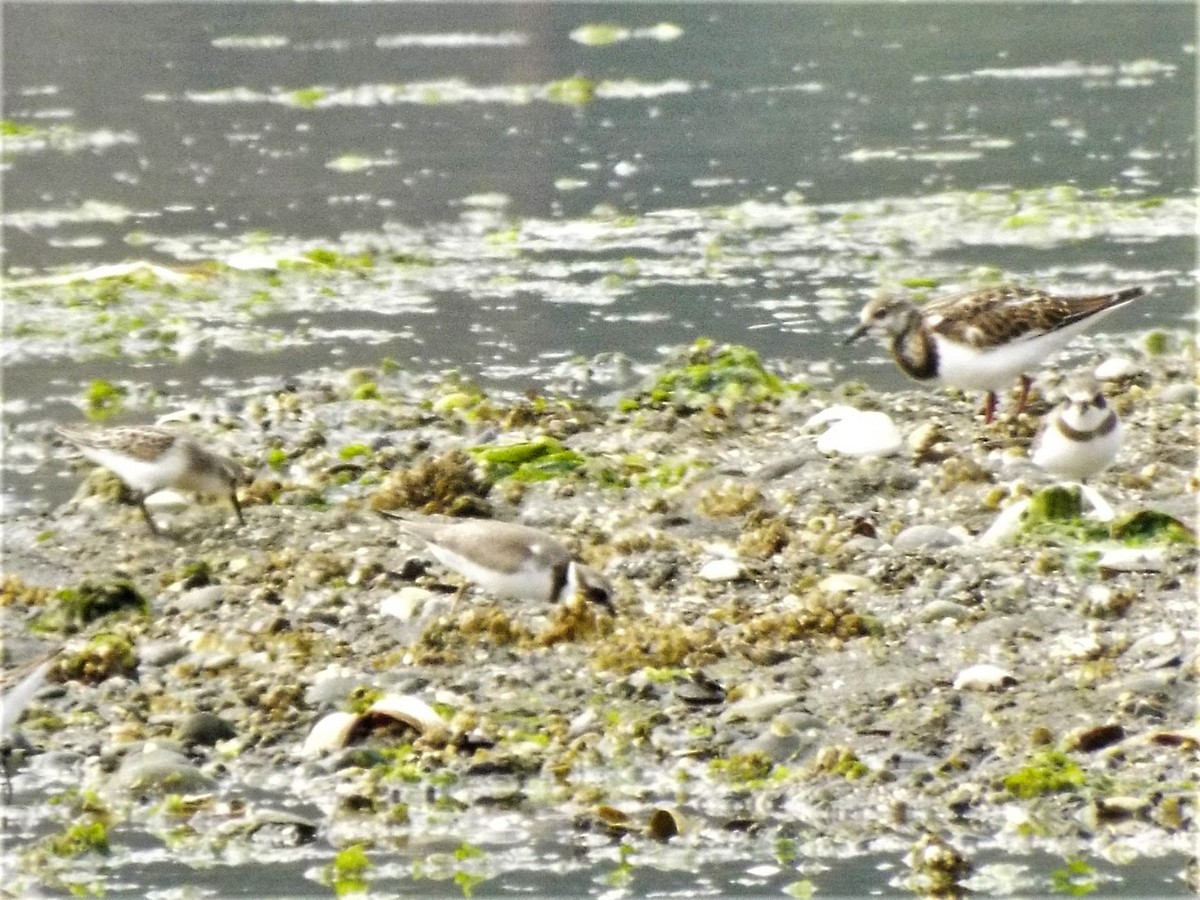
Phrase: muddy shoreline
x=814 y=655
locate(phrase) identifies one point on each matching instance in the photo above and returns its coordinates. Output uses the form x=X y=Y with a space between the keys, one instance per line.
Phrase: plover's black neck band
x=558 y=580
x=1082 y=437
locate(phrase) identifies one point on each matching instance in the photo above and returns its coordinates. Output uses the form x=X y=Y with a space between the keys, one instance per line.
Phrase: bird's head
x=884 y=316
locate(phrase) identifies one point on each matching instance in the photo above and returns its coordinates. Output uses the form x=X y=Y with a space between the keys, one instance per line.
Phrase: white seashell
x=862 y=434
x=1007 y=524
x=330 y=733
x=721 y=570
x=829 y=414
x=984 y=677
x=1133 y=559
x=1115 y=368
x=407 y=603
x=409 y=710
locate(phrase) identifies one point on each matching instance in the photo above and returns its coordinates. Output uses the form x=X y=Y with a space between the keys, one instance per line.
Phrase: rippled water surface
x=504 y=190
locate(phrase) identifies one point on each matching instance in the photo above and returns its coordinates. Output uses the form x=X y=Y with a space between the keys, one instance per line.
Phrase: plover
x=507 y=559
x=982 y=340
x=148 y=459
x=1082 y=436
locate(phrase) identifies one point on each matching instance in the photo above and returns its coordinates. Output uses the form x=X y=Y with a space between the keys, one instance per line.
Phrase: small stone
x=1095 y=738
x=205 y=729
x=664 y=824
x=843 y=583
x=1116 y=809
x=984 y=677
x=936 y=610
x=1181 y=392
x=925 y=437
x=160 y=771
x=200 y=599
x=1133 y=559
x=925 y=537
x=722 y=570
x=160 y=653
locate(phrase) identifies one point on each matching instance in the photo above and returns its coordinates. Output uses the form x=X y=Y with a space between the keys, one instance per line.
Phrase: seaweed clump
x=448 y=484
x=714 y=377
x=79 y=606
x=104 y=656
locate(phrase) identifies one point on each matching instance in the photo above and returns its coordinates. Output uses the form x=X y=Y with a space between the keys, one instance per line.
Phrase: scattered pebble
x=722 y=569
x=925 y=537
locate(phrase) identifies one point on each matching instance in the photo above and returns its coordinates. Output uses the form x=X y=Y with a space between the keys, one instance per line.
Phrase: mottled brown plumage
x=981 y=340
x=149 y=458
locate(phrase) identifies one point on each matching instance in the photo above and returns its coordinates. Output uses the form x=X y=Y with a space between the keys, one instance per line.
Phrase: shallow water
x=751 y=175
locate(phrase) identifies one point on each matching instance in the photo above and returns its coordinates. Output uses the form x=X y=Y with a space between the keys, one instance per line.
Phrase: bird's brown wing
x=146 y=443
x=1006 y=314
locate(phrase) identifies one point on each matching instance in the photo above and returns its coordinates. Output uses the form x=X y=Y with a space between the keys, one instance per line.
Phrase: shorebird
x=982 y=340
x=148 y=459
x=507 y=559
x=1081 y=436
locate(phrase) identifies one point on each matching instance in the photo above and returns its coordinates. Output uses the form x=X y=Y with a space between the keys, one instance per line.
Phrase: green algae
x=574 y=91
x=348 y=873
x=1056 y=514
x=80 y=838
x=75 y=607
x=1049 y=772
x=721 y=376
x=104 y=656
x=306 y=98
x=751 y=769
x=529 y=461
x=103 y=399
x=1148 y=526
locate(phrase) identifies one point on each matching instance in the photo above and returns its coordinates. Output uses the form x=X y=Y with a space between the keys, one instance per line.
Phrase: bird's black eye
x=1098 y=401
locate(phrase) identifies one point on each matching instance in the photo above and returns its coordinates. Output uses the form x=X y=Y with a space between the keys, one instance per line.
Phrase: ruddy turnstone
x=507 y=559
x=148 y=459
x=981 y=340
x=1082 y=436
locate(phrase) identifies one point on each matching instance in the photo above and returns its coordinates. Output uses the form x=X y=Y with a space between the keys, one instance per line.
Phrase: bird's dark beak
x=855 y=334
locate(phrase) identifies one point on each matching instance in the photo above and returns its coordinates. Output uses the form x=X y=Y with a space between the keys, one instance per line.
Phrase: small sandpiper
x=1081 y=436
x=18 y=687
x=982 y=340
x=149 y=459
x=507 y=559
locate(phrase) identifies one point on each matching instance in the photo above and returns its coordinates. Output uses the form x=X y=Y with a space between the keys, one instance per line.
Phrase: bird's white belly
x=141 y=475
x=524 y=584
x=993 y=369
x=1060 y=455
